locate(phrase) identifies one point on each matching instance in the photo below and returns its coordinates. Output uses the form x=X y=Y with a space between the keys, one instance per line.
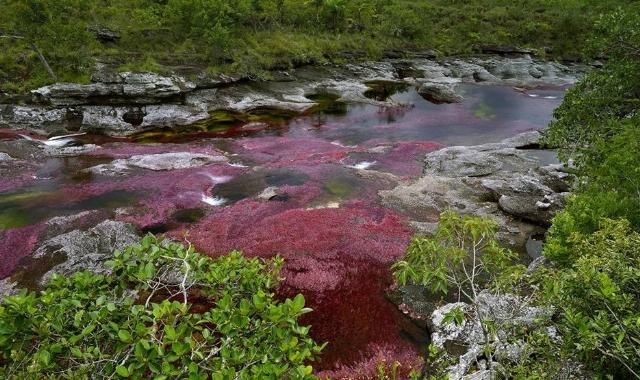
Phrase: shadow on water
x=382 y=90
x=29 y=206
x=253 y=183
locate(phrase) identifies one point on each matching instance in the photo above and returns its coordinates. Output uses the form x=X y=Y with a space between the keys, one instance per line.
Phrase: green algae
x=484 y=111
x=219 y=122
x=188 y=215
x=21 y=209
x=340 y=186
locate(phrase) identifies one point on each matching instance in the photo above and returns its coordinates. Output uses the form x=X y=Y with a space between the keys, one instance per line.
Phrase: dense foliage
x=166 y=312
x=598 y=296
x=594 y=244
x=249 y=36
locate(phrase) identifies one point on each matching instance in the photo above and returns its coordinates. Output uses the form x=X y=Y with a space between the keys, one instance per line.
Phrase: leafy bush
x=597 y=296
x=463 y=253
x=166 y=312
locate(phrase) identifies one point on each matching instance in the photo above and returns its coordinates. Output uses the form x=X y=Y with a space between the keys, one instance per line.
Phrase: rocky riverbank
x=120 y=104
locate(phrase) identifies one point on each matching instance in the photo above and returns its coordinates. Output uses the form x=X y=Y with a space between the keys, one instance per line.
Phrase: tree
x=464 y=254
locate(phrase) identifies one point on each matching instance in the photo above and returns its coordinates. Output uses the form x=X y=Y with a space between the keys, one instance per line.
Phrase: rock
x=5 y=157
x=157 y=162
x=22 y=149
x=529 y=207
x=62 y=224
x=439 y=93
x=104 y=34
x=119 y=104
x=495 y=180
x=466 y=343
x=273 y=194
x=462 y=161
x=7 y=288
x=86 y=250
x=125 y=88
x=537 y=263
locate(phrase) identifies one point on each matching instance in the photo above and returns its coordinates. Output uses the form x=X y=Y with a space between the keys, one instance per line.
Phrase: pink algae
x=339 y=259
x=16 y=244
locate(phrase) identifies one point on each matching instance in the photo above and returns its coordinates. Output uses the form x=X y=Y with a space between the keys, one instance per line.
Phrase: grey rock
x=5 y=157
x=494 y=180
x=509 y=312
x=269 y=193
x=125 y=88
x=439 y=93
x=7 y=288
x=106 y=105
x=536 y=264
x=157 y=162
x=104 y=34
x=531 y=208
x=86 y=250
x=462 y=161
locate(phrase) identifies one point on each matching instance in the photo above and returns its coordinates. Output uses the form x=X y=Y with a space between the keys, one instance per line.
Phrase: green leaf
x=122 y=371
x=44 y=357
x=297 y=304
x=125 y=336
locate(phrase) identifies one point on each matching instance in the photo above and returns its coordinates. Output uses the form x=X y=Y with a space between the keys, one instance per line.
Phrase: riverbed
x=303 y=186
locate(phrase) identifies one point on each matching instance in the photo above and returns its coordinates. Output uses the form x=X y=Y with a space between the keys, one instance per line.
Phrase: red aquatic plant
x=16 y=244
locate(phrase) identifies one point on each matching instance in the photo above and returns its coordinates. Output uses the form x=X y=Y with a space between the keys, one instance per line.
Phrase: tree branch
x=34 y=47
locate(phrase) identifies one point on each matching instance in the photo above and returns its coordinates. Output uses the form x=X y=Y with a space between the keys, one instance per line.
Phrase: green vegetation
x=463 y=253
x=592 y=278
x=249 y=37
x=166 y=312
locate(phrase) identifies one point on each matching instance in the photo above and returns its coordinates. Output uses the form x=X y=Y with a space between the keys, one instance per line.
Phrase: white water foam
x=364 y=165
x=213 y=201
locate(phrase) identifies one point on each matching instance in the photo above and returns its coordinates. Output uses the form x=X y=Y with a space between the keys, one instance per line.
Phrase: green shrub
x=463 y=253
x=166 y=312
x=597 y=296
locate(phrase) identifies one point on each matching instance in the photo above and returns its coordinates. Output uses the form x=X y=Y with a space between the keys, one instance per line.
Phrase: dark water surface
x=325 y=216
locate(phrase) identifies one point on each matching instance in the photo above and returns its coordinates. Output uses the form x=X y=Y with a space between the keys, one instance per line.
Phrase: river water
x=323 y=216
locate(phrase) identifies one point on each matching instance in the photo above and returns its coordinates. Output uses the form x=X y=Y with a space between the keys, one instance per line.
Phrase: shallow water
x=325 y=218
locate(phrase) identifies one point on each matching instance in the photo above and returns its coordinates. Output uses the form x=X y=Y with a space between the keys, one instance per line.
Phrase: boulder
x=439 y=93
x=104 y=34
x=466 y=343
x=460 y=161
x=122 y=88
x=495 y=180
x=157 y=162
x=531 y=208
x=85 y=250
x=7 y=288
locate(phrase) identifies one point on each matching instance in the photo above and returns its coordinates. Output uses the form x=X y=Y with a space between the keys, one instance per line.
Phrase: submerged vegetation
x=44 y=41
x=165 y=312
